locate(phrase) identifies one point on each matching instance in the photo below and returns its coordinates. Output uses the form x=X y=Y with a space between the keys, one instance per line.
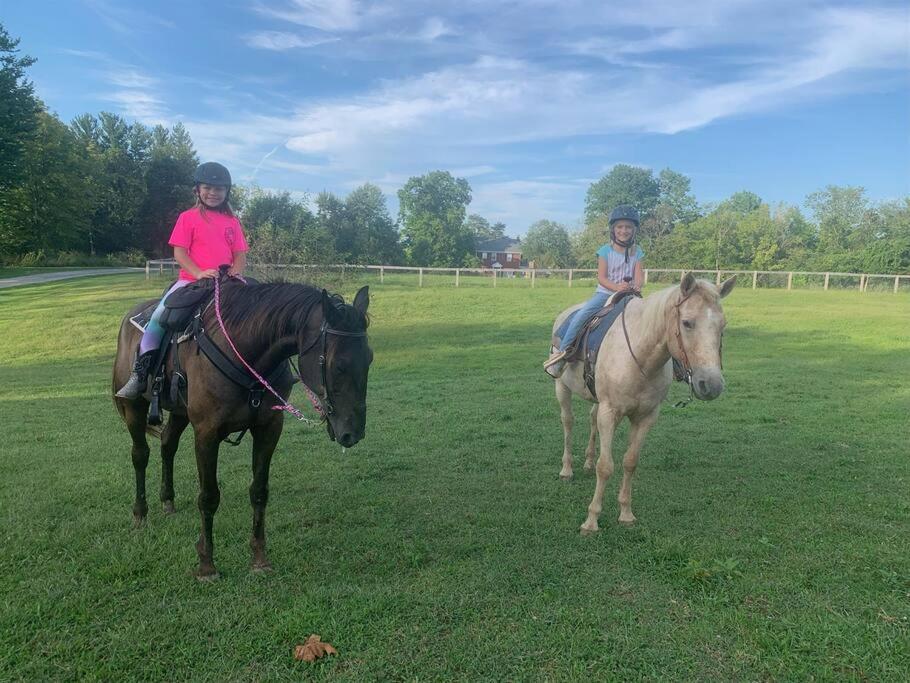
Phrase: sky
x=531 y=102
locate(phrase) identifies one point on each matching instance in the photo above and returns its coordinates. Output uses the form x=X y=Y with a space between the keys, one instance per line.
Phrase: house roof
x=503 y=244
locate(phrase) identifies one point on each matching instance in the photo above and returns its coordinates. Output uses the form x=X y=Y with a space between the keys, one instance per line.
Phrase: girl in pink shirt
x=204 y=238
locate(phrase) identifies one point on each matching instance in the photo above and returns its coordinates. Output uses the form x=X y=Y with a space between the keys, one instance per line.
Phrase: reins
x=323 y=407
x=687 y=368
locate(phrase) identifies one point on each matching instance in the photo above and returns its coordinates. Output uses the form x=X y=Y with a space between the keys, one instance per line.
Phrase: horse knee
x=208 y=502
x=259 y=496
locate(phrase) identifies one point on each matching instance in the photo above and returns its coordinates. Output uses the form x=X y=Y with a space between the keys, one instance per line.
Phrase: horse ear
x=687 y=284
x=727 y=286
x=362 y=299
x=329 y=312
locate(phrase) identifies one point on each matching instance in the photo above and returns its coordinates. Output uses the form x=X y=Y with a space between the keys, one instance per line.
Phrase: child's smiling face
x=624 y=230
x=212 y=195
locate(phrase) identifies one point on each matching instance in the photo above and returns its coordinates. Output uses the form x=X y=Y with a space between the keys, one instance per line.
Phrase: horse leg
x=170 y=439
x=265 y=438
x=606 y=423
x=209 y=498
x=592 y=441
x=564 y=396
x=637 y=433
x=134 y=413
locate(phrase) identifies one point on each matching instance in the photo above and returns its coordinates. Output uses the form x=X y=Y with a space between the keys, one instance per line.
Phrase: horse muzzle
x=707 y=383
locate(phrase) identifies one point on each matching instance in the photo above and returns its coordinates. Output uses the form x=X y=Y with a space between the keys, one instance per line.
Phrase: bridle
x=325 y=406
x=686 y=365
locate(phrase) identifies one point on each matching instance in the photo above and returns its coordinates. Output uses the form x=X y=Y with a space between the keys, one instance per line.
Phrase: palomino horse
x=268 y=323
x=632 y=378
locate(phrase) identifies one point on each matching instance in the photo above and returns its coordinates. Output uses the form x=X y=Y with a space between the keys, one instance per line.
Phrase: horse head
x=344 y=357
x=696 y=327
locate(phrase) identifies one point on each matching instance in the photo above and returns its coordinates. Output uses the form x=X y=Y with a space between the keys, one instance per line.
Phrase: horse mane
x=282 y=308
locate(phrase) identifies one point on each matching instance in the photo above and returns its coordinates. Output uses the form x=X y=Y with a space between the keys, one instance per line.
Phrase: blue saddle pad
x=599 y=331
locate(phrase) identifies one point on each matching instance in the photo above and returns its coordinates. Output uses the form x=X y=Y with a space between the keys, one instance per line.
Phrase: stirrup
x=554 y=359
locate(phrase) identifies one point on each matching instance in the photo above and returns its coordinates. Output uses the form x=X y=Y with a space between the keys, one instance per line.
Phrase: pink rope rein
x=285 y=405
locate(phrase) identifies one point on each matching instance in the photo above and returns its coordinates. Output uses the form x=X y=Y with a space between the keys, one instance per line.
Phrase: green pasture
x=772 y=542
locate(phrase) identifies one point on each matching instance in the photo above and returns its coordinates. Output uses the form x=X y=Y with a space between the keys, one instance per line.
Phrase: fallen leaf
x=313 y=649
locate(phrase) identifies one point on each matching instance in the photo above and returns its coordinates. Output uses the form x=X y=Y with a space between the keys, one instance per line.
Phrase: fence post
x=827 y=277
x=381 y=274
x=789 y=281
x=646 y=277
x=897 y=283
x=147 y=272
x=533 y=276
x=862 y=283
x=161 y=270
x=420 y=278
x=754 y=279
x=570 y=277
x=494 y=277
x=717 y=280
x=457 y=273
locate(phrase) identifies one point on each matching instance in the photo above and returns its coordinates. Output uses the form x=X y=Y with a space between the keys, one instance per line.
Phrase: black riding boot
x=135 y=385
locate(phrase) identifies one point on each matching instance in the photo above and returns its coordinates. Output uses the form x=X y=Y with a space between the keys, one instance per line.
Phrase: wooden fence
x=571 y=274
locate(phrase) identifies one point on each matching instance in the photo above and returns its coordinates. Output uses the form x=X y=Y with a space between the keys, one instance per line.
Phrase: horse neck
x=652 y=333
x=265 y=346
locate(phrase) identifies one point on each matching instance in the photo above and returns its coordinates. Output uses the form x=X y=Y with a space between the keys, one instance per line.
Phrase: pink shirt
x=210 y=241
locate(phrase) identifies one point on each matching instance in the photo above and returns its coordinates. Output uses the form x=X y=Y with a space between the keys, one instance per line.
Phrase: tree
x=19 y=109
x=432 y=213
x=839 y=213
x=741 y=203
x=282 y=230
x=624 y=184
x=547 y=244
x=49 y=210
x=482 y=230
x=377 y=236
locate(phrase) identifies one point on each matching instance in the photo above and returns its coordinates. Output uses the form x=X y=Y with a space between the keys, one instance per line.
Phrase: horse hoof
x=566 y=477
x=207 y=576
x=261 y=568
x=587 y=531
x=627 y=522
x=138 y=521
x=168 y=507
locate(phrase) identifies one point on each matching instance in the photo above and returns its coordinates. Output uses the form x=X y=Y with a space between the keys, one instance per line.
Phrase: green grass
x=772 y=540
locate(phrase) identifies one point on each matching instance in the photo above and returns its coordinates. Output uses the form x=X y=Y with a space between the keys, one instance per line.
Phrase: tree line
x=103 y=188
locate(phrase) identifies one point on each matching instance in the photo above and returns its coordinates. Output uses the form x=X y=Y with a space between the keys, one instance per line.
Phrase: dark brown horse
x=268 y=323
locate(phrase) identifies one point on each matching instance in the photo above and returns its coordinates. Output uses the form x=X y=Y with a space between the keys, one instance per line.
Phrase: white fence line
x=532 y=273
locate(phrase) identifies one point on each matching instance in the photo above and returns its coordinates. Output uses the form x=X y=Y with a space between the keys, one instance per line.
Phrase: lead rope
x=285 y=405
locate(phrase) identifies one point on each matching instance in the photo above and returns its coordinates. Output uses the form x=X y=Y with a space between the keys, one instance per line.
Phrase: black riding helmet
x=212 y=173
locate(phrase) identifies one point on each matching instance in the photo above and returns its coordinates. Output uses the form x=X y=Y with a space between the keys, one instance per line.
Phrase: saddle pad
x=604 y=318
x=141 y=319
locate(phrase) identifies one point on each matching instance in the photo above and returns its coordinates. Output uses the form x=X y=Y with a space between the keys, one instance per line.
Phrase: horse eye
x=689 y=324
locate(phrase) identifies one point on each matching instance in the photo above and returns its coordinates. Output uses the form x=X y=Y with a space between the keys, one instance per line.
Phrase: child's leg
x=151 y=338
x=590 y=307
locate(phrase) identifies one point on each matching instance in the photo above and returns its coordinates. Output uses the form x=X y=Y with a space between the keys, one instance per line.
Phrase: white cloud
x=327 y=15
x=281 y=40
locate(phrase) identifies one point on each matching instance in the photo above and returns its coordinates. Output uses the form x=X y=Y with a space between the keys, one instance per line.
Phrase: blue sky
x=530 y=101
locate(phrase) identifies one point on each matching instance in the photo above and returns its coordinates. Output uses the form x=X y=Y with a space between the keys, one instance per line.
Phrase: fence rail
x=862 y=280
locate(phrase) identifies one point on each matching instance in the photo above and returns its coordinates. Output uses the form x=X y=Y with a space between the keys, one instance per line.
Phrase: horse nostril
x=702 y=386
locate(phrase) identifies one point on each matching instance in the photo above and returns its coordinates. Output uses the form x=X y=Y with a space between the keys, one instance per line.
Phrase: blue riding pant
x=580 y=317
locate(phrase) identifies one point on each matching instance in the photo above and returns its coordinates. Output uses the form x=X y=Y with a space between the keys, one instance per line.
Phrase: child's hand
x=234 y=272
x=208 y=272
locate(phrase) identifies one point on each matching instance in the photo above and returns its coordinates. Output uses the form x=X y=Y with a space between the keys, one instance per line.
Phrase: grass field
x=773 y=539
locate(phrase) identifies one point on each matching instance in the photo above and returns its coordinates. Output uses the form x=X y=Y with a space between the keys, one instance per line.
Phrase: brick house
x=504 y=251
